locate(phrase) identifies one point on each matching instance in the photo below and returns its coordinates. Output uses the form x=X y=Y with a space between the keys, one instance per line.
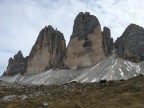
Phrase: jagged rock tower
x=107 y=41
x=48 y=51
x=130 y=45
x=16 y=65
x=86 y=46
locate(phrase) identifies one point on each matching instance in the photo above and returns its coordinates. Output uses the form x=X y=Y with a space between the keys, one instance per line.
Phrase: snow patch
x=104 y=77
x=95 y=66
x=84 y=80
x=81 y=76
x=128 y=65
x=21 y=78
x=122 y=74
x=125 y=63
x=127 y=69
x=94 y=80
x=114 y=63
x=43 y=74
x=137 y=69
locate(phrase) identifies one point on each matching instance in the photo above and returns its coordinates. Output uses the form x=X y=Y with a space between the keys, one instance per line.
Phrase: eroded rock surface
x=130 y=45
x=86 y=43
x=48 y=51
x=16 y=65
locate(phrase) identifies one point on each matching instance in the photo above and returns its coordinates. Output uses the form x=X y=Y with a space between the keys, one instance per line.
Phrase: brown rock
x=86 y=43
x=48 y=51
x=16 y=65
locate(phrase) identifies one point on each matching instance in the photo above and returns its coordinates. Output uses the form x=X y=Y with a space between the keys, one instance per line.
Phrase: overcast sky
x=22 y=20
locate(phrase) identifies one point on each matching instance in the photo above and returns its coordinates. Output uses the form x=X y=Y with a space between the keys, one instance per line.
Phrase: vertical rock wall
x=107 y=41
x=48 y=51
x=86 y=43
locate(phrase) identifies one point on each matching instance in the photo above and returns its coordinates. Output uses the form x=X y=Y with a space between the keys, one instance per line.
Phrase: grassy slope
x=115 y=94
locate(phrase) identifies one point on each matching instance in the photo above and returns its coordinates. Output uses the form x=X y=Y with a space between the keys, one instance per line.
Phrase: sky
x=22 y=20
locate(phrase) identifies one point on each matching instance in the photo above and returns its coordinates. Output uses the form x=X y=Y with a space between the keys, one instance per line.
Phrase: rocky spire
x=107 y=41
x=16 y=65
x=86 y=43
x=130 y=45
x=84 y=24
x=47 y=52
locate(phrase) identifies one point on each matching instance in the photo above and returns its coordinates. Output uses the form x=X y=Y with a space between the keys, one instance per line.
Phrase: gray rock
x=130 y=45
x=45 y=104
x=107 y=41
x=8 y=98
x=16 y=65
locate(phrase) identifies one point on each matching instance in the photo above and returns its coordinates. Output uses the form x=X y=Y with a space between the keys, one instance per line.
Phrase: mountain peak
x=84 y=24
x=47 y=52
x=86 y=45
x=16 y=65
x=130 y=45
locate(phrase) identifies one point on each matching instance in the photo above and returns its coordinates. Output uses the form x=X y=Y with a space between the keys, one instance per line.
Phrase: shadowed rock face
x=47 y=52
x=86 y=43
x=107 y=41
x=131 y=44
x=16 y=65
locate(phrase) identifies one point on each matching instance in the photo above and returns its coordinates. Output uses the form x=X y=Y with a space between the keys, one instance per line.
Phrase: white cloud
x=21 y=20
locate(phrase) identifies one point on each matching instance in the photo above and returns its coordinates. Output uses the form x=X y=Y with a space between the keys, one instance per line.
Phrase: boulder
x=47 y=52
x=44 y=104
x=130 y=45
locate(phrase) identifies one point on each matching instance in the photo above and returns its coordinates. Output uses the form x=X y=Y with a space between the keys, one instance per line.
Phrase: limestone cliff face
x=86 y=43
x=87 y=46
x=16 y=65
x=107 y=41
x=48 y=51
x=131 y=44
